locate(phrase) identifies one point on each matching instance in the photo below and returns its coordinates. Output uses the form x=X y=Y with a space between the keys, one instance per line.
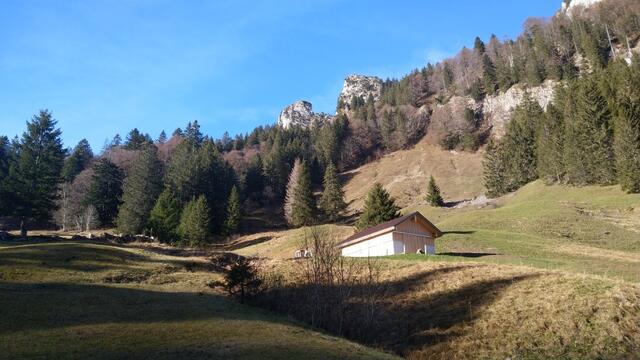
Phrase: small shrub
x=242 y=280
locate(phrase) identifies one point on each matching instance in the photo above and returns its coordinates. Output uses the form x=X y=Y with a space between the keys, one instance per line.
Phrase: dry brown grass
x=405 y=175
x=471 y=311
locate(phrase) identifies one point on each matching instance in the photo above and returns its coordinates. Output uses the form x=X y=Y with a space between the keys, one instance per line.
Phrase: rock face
x=576 y=4
x=300 y=113
x=498 y=109
x=360 y=85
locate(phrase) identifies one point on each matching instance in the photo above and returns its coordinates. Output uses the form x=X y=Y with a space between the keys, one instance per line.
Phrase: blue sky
x=105 y=67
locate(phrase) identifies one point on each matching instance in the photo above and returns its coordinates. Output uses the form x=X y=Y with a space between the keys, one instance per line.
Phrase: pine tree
x=303 y=209
x=494 y=170
x=140 y=192
x=292 y=184
x=194 y=223
x=478 y=46
x=332 y=202
x=105 y=191
x=136 y=140
x=162 y=138
x=488 y=75
x=77 y=161
x=165 y=218
x=234 y=211
x=589 y=154
x=254 y=179
x=433 y=198
x=550 y=144
x=5 y=161
x=378 y=208
x=519 y=143
x=34 y=177
x=627 y=131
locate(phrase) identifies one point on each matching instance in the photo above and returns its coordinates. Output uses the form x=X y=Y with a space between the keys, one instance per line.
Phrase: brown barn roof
x=391 y=224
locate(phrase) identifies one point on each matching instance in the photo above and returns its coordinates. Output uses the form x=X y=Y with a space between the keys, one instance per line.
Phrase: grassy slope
x=81 y=300
x=405 y=175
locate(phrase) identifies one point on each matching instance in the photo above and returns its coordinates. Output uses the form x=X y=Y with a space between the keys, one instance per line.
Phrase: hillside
x=79 y=300
x=405 y=174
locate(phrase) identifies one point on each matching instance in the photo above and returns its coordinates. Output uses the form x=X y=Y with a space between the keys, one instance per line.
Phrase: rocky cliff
x=300 y=113
x=360 y=85
x=572 y=5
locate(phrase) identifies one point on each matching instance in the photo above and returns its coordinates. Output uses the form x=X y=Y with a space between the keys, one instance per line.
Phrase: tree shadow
x=244 y=244
x=459 y=232
x=468 y=254
x=407 y=318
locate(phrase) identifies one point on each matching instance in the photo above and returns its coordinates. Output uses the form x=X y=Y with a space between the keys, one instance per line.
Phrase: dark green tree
x=332 y=202
x=136 y=140
x=489 y=79
x=140 y=192
x=234 y=211
x=105 y=191
x=194 y=223
x=77 y=161
x=627 y=131
x=303 y=209
x=378 y=208
x=6 y=154
x=242 y=279
x=550 y=144
x=495 y=170
x=433 y=197
x=589 y=157
x=162 y=138
x=35 y=173
x=165 y=218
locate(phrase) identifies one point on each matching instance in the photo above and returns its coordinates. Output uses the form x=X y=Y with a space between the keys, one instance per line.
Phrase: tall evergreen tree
x=550 y=143
x=140 y=192
x=234 y=211
x=627 y=131
x=35 y=174
x=165 y=218
x=162 y=138
x=194 y=223
x=292 y=185
x=488 y=75
x=105 y=191
x=77 y=161
x=433 y=198
x=332 y=202
x=378 y=208
x=303 y=209
x=589 y=154
x=495 y=170
x=136 y=140
x=5 y=161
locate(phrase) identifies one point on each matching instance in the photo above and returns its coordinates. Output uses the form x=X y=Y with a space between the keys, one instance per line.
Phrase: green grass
x=592 y=230
x=91 y=300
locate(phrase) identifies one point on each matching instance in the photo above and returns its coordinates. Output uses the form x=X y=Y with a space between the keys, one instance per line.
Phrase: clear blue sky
x=104 y=67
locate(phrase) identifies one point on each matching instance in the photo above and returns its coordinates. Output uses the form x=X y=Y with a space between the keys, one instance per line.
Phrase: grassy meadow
x=84 y=300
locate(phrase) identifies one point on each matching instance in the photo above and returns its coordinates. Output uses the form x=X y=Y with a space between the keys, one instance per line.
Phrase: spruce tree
x=234 y=211
x=303 y=209
x=140 y=191
x=589 y=154
x=34 y=176
x=332 y=202
x=495 y=170
x=5 y=161
x=136 y=140
x=627 y=131
x=292 y=185
x=105 y=191
x=165 y=218
x=194 y=223
x=77 y=161
x=550 y=141
x=162 y=138
x=433 y=198
x=378 y=208
x=488 y=75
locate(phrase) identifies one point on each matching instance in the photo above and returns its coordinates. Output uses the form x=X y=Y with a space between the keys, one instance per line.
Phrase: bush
x=241 y=280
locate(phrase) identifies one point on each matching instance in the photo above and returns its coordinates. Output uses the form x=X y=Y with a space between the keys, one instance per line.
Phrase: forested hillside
x=575 y=120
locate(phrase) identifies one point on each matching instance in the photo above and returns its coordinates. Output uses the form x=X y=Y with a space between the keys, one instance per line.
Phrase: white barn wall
x=382 y=245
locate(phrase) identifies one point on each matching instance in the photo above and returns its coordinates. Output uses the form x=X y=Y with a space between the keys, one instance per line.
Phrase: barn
x=409 y=234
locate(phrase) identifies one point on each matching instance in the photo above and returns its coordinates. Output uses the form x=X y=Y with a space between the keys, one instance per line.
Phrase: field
x=93 y=300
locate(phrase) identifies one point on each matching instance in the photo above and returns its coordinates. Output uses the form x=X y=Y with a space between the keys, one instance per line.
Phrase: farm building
x=408 y=234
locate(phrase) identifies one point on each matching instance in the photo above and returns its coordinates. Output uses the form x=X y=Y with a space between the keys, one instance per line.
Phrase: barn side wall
x=382 y=245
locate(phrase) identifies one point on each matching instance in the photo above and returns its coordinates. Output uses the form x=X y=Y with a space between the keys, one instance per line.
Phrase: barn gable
x=401 y=235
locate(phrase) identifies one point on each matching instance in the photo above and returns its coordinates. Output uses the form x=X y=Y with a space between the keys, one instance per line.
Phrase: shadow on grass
x=459 y=232
x=244 y=244
x=406 y=318
x=467 y=254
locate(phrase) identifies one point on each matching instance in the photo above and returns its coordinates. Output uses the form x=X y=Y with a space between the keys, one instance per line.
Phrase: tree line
x=589 y=134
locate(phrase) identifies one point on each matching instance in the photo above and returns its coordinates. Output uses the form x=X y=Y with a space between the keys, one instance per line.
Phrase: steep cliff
x=300 y=113
x=362 y=86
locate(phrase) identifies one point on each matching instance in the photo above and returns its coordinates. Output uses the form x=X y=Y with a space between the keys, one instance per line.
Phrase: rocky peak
x=300 y=113
x=360 y=85
x=572 y=5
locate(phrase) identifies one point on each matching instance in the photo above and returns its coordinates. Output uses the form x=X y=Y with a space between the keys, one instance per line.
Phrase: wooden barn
x=408 y=234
